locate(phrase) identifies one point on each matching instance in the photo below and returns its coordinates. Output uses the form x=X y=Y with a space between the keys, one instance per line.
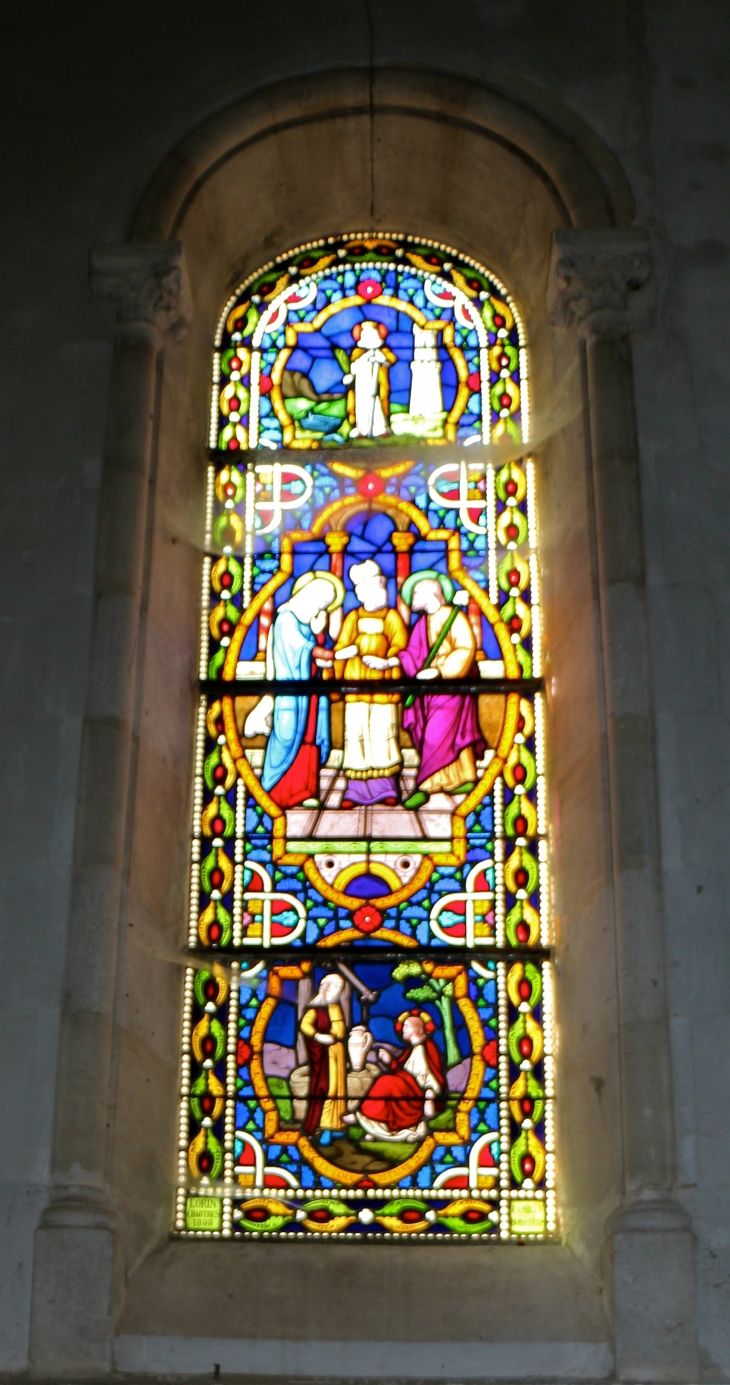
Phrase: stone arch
x=586 y=180
x=403 y=515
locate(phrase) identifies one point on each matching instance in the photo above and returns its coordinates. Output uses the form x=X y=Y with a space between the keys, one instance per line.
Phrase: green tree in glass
x=441 y=993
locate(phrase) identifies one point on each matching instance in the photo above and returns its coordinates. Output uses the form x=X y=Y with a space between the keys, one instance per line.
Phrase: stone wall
x=628 y=105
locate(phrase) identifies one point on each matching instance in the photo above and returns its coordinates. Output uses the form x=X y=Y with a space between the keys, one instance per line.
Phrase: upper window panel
x=365 y=341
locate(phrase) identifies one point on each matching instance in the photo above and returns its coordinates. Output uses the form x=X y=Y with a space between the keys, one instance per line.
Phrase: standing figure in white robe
x=369 y=364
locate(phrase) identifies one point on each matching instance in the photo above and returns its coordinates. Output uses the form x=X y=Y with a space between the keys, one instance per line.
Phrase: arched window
x=367 y=1038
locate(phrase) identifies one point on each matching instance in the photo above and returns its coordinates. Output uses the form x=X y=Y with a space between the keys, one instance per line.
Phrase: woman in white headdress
x=299 y=739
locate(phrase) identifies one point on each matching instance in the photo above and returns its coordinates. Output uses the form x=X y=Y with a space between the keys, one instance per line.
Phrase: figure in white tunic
x=369 y=364
x=371 y=638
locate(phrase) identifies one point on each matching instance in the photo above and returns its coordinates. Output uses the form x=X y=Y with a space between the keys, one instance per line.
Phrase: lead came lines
x=263 y=899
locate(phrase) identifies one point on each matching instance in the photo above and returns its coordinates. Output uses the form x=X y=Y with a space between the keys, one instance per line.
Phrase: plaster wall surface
x=93 y=101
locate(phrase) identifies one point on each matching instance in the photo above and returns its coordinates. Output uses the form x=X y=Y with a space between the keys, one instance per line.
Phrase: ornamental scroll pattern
x=367 y=1044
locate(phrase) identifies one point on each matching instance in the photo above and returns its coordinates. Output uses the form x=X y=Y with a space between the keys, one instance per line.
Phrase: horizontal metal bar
x=283 y=956
x=372 y=456
x=242 y=687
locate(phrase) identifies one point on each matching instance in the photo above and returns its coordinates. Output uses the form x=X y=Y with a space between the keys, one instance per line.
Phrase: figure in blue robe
x=293 y=642
x=299 y=741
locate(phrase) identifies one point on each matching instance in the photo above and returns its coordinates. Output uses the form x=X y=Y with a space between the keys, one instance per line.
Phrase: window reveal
x=367 y=1041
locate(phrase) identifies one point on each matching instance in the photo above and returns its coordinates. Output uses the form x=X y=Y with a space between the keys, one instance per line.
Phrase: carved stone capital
x=402 y=543
x=147 y=282
x=648 y=1213
x=600 y=281
x=79 y=1207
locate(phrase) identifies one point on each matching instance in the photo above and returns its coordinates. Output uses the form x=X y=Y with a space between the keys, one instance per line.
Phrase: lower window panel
x=402 y=1096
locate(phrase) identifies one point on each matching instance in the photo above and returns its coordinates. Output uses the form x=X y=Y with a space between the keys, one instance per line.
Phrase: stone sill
x=352 y=1360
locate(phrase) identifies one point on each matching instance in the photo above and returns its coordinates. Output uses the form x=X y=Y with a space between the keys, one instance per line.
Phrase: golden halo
x=335 y=582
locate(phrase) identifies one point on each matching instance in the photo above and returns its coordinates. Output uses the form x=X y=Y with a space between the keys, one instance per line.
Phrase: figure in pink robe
x=444 y=727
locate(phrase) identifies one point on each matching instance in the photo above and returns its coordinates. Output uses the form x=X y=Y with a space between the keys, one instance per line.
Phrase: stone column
x=72 y=1275
x=266 y=617
x=337 y=541
x=402 y=543
x=474 y=615
x=601 y=289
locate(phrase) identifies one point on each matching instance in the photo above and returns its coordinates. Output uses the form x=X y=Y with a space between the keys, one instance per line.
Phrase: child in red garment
x=402 y=1100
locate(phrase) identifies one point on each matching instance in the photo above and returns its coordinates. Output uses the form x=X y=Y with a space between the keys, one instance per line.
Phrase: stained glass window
x=367 y=1038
